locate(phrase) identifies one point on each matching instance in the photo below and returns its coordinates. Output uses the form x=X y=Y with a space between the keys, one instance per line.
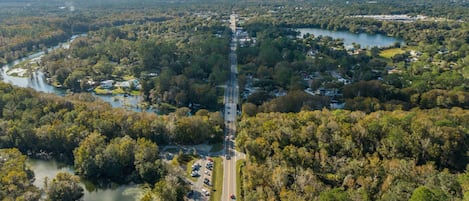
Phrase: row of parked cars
x=209 y=166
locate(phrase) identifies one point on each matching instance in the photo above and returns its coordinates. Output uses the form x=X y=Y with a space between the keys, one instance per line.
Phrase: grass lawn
x=101 y=91
x=118 y=90
x=388 y=53
x=135 y=92
x=217 y=179
x=128 y=77
x=216 y=147
x=239 y=165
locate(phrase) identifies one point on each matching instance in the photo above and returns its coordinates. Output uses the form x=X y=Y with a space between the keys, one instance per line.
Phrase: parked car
x=205 y=192
x=195 y=174
x=207 y=181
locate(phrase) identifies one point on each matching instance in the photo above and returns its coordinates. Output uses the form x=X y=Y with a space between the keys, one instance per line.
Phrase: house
x=127 y=84
x=328 y=92
x=124 y=84
x=414 y=53
x=344 y=81
x=336 y=104
x=107 y=84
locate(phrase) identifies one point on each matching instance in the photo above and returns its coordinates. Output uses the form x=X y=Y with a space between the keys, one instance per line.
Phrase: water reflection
x=38 y=82
x=48 y=169
x=363 y=39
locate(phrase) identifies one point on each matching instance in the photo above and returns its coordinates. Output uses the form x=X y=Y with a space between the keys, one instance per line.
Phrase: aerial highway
x=230 y=113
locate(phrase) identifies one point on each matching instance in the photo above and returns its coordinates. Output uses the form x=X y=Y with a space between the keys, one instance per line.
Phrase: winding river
x=38 y=82
x=48 y=169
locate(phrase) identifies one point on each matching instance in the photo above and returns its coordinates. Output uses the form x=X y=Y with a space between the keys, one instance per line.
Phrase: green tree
x=335 y=194
x=15 y=177
x=170 y=189
x=422 y=193
x=147 y=162
x=64 y=187
x=88 y=155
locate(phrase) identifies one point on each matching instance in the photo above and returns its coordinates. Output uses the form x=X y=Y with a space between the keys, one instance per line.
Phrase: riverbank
x=17 y=73
x=24 y=68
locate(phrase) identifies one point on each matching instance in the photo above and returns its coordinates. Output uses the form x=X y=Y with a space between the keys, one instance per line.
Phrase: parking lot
x=202 y=170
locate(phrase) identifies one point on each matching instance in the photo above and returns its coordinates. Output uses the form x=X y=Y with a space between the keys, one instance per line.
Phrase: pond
x=48 y=169
x=363 y=39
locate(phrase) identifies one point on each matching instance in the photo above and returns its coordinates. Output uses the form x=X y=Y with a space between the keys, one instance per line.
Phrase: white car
x=205 y=192
x=195 y=174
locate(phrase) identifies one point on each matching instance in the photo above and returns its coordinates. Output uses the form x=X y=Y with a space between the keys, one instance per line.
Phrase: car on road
x=228 y=157
x=232 y=196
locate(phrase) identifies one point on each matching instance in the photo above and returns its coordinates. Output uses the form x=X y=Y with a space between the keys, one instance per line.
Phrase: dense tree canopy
x=15 y=177
x=64 y=187
x=103 y=142
x=344 y=155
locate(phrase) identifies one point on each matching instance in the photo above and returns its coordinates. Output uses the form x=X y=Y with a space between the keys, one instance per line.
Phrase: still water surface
x=365 y=40
x=48 y=169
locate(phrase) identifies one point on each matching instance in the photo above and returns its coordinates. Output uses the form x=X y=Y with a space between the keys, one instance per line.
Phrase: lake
x=365 y=40
x=50 y=168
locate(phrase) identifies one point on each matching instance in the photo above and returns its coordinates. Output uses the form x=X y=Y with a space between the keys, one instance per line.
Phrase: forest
x=178 y=62
x=104 y=144
x=351 y=155
x=402 y=135
x=429 y=70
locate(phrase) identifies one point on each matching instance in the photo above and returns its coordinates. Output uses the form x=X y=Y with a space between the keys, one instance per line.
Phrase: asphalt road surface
x=231 y=101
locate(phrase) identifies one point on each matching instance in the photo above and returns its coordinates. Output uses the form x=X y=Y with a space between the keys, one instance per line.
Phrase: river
x=38 y=82
x=363 y=39
x=49 y=169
